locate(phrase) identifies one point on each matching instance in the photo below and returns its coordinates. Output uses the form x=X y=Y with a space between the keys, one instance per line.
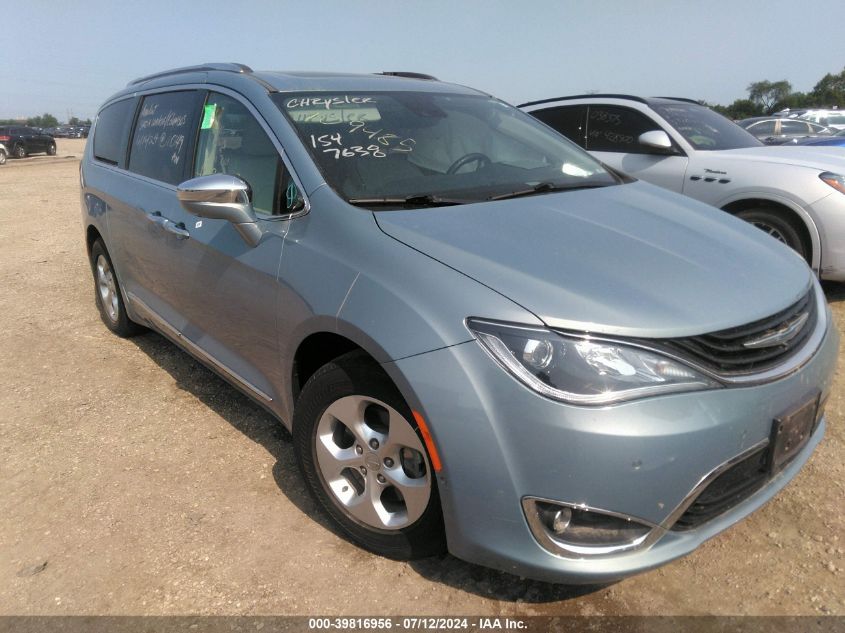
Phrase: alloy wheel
x=107 y=288
x=373 y=463
x=768 y=228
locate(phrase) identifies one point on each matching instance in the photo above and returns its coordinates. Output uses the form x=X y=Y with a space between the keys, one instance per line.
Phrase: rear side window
x=617 y=129
x=789 y=126
x=111 y=131
x=764 y=128
x=163 y=135
x=571 y=121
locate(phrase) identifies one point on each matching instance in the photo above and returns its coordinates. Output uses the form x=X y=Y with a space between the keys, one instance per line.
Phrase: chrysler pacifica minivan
x=481 y=338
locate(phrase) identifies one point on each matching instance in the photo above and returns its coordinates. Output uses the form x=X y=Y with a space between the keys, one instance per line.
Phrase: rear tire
x=19 y=151
x=2 y=157
x=779 y=226
x=107 y=294
x=365 y=462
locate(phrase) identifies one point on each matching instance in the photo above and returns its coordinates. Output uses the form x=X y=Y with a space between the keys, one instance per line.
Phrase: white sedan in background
x=796 y=194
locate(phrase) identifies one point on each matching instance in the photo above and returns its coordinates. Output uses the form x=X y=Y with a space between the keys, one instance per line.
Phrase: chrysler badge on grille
x=780 y=336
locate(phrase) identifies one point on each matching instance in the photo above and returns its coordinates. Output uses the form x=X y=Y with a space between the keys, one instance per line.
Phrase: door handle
x=178 y=230
x=156 y=218
x=162 y=222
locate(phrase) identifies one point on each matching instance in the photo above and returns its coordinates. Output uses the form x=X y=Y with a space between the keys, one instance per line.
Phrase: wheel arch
x=804 y=222
x=91 y=236
x=323 y=345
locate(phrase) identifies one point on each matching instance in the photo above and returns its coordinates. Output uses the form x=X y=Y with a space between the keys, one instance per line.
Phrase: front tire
x=107 y=294
x=779 y=226
x=365 y=462
x=2 y=157
x=51 y=149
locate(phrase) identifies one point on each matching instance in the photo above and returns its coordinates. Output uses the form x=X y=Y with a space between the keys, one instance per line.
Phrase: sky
x=77 y=53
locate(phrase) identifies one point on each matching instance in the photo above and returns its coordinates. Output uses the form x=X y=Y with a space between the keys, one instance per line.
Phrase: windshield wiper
x=545 y=187
x=425 y=200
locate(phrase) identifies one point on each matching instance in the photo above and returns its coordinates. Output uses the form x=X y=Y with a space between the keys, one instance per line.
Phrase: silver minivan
x=480 y=337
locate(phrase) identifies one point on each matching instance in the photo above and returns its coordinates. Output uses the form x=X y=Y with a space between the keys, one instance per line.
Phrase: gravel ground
x=134 y=481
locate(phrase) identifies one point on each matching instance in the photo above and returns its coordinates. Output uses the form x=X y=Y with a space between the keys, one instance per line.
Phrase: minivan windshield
x=703 y=128
x=430 y=149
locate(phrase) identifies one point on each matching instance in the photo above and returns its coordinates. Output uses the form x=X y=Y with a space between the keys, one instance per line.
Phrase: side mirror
x=221 y=197
x=656 y=139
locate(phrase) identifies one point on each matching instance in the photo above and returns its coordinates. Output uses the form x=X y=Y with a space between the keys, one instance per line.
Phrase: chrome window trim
x=160 y=324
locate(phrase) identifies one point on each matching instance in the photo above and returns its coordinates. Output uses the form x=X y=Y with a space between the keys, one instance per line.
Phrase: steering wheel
x=473 y=157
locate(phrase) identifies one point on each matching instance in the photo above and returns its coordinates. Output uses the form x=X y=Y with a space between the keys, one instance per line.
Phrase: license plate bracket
x=790 y=432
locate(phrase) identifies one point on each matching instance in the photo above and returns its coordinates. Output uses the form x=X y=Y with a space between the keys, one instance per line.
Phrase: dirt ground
x=134 y=481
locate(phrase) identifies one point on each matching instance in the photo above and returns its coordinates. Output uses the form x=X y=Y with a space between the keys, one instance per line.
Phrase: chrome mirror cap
x=221 y=197
x=657 y=139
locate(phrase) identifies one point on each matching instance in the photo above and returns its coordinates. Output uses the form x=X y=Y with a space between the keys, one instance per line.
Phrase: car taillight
x=4 y=137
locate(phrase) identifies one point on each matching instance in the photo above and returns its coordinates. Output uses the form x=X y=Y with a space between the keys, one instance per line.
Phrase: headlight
x=583 y=370
x=834 y=180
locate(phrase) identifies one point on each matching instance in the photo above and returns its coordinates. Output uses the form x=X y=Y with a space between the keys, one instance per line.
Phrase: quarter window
x=164 y=132
x=764 y=128
x=231 y=141
x=617 y=129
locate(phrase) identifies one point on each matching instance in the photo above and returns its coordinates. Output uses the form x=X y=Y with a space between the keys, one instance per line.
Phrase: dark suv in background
x=22 y=141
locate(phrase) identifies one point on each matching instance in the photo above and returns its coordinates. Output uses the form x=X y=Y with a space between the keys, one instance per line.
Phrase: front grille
x=726 y=351
x=734 y=485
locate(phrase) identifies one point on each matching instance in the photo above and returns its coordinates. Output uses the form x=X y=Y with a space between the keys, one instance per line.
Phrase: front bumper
x=500 y=443
x=829 y=215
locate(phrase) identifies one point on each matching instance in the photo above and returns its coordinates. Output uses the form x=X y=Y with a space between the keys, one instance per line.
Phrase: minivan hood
x=632 y=260
x=823 y=158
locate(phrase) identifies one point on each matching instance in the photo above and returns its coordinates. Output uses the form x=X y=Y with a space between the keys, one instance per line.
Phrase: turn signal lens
x=834 y=180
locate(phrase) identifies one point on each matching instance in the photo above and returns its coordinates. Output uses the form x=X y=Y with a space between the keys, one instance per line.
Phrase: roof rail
x=587 y=96
x=227 y=67
x=409 y=75
x=684 y=99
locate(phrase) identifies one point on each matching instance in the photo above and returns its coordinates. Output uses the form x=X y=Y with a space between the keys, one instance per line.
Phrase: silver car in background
x=480 y=338
x=795 y=194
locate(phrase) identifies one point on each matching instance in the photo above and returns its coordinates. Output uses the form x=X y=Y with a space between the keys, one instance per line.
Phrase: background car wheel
x=779 y=226
x=19 y=151
x=365 y=462
x=2 y=157
x=107 y=294
x=51 y=149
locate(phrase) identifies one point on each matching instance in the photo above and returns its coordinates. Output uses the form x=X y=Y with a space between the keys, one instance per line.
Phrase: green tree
x=795 y=101
x=830 y=91
x=45 y=120
x=768 y=94
x=740 y=109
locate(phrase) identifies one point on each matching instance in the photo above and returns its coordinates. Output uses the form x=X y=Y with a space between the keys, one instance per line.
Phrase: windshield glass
x=703 y=128
x=389 y=146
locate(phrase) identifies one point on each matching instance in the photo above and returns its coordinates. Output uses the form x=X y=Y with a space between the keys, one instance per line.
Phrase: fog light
x=561 y=520
x=554 y=517
x=578 y=531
